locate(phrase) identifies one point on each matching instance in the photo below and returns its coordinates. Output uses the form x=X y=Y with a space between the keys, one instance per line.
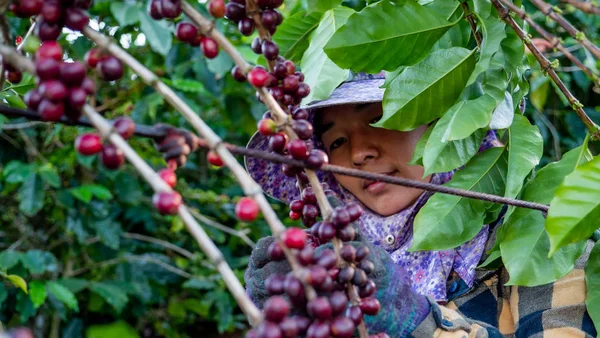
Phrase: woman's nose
x=363 y=150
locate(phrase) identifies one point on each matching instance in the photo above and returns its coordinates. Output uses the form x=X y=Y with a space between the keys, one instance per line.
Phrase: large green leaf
x=384 y=36
x=158 y=33
x=18 y=281
x=423 y=92
x=113 y=295
x=63 y=294
x=125 y=13
x=9 y=258
x=37 y=293
x=31 y=195
x=321 y=74
x=321 y=5
x=293 y=34
x=525 y=148
x=118 y=329
x=592 y=283
x=417 y=158
x=575 y=209
x=442 y=156
x=446 y=221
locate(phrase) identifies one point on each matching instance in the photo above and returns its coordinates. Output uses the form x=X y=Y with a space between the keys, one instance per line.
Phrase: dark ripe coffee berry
x=14 y=77
x=348 y=253
x=272 y=81
x=235 y=12
x=306 y=256
x=277 y=3
x=156 y=9
x=290 y=84
x=297 y=205
x=263 y=4
x=276 y=308
x=47 y=31
x=319 y=308
x=300 y=76
x=298 y=149
x=214 y=159
x=277 y=93
x=300 y=114
x=369 y=306
x=326 y=258
x=76 y=19
x=308 y=196
x=355 y=314
x=338 y=301
x=92 y=57
x=246 y=26
x=326 y=232
x=275 y=252
x=314 y=229
x=51 y=111
x=267 y=127
x=327 y=286
x=290 y=67
x=33 y=98
x=89 y=86
x=354 y=210
x=277 y=143
x=288 y=327
x=256 y=46
x=290 y=170
x=72 y=73
x=302 y=323
x=333 y=273
x=269 y=49
x=258 y=77
x=168 y=176
x=279 y=70
x=295 y=215
x=303 y=90
x=310 y=211
x=171 y=8
x=342 y=327
x=88 y=144
x=83 y=4
x=77 y=97
x=274 y=284
x=268 y=330
x=167 y=203
x=316 y=159
x=317 y=275
x=216 y=8
x=112 y=157
x=54 y=90
x=237 y=74
x=268 y=17
x=303 y=129
x=271 y=29
x=293 y=288
x=308 y=222
x=340 y=217
x=318 y=329
x=110 y=69
x=347 y=233
x=186 y=32
x=49 y=50
x=367 y=266
x=247 y=209
x=294 y=238
x=209 y=47
x=125 y=127
x=30 y=7
x=288 y=99
x=367 y=290
x=362 y=252
x=346 y=274
x=360 y=277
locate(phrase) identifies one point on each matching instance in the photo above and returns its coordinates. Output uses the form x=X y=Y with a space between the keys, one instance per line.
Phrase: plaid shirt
x=493 y=309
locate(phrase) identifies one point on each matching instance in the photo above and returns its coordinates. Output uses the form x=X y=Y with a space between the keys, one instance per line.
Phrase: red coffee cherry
x=276 y=308
x=167 y=203
x=216 y=8
x=214 y=159
x=267 y=127
x=76 y=19
x=294 y=238
x=209 y=47
x=125 y=127
x=247 y=209
x=186 y=32
x=168 y=176
x=88 y=144
x=92 y=57
x=51 y=111
x=49 y=50
x=112 y=157
x=72 y=73
x=110 y=69
x=258 y=77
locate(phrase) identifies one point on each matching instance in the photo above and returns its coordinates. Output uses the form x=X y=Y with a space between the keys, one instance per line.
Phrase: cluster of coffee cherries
x=165 y=9
x=330 y=313
x=188 y=33
x=269 y=17
x=108 y=66
x=112 y=158
x=63 y=87
x=54 y=15
x=306 y=207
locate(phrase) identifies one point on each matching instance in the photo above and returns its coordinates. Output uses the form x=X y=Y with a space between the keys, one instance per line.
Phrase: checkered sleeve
x=494 y=309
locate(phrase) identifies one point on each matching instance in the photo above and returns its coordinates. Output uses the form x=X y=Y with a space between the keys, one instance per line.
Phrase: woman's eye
x=337 y=143
x=375 y=119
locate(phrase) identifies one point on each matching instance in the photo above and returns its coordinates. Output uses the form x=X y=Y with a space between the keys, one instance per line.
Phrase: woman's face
x=352 y=143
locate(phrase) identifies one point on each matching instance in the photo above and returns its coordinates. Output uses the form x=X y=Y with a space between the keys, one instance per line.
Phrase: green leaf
x=199 y=284
x=158 y=33
x=118 y=329
x=125 y=14
x=74 y=285
x=447 y=221
x=219 y=65
x=18 y=281
x=49 y=175
x=441 y=156
x=31 y=195
x=18 y=172
x=112 y=294
x=385 y=36
x=293 y=34
x=3 y=293
x=37 y=293
x=63 y=294
x=417 y=158
x=525 y=148
x=9 y=258
x=100 y=192
x=321 y=74
x=592 y=283
x=423 y=92
x=109 y=232
x=186 y=85
x=321 y=5
x=575 y=208
x=38 y=261
x=503 y=114
x=85 y=193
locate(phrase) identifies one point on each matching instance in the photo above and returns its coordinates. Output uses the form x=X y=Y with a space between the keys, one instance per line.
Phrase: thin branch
x=222 y=227
x=586 y=7
x=23 y=125
x=168 y=245
x=119 y=260
x=554 y=132
x=471 y=20
x=549 y=11
x=29 y=32
x=504 y=14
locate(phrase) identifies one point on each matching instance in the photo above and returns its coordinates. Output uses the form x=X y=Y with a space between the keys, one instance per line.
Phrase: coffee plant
x=90 y=250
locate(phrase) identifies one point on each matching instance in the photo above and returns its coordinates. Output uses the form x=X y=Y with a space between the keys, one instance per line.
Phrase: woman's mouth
x=375 y=187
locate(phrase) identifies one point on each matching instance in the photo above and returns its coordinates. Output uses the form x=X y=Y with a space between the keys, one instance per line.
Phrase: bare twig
x=504 y=14
x=23 y=125
x=168 y=245
x=29 y=32
x=471 y=20
x=583 y=6
x=131 y=258
x=242 y=235
x=549 y=11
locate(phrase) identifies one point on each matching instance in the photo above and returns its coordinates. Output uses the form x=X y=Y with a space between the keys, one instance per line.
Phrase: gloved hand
x=176 y=143
x=402 y=310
